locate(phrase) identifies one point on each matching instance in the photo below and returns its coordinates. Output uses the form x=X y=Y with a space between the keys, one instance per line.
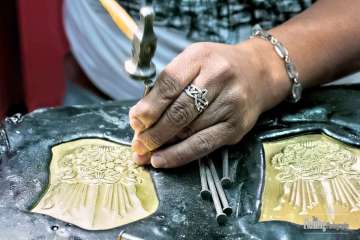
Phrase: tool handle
x=121 y=18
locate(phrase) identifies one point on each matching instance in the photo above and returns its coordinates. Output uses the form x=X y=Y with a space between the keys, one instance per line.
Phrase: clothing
x=218 y=20
x=101 y=49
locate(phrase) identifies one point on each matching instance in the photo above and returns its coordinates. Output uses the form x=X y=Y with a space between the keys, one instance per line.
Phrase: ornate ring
x=199 y=96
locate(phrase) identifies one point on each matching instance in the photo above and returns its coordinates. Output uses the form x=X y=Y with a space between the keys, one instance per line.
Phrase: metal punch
x=220 y=215
x=139 y=66
x=205 y=192
x=224 y=202
x=210 y=183
x=225 y=180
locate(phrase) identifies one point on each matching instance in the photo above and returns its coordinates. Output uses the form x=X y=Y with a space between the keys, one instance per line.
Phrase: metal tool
x=224 y=202
x=143 y=38
x=205 y=192
x=220 y=215
x=140 y=67
x=225 y=180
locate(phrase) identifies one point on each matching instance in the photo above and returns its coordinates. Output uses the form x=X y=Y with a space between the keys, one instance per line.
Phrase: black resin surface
x=25 y=143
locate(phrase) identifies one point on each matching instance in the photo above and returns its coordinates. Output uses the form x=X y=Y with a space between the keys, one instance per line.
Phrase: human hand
x=242 y=82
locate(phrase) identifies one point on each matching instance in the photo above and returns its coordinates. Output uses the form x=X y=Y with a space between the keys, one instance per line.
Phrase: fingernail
x=158 y=161
x=141 y=159
x=136 y=124
x=139 y=147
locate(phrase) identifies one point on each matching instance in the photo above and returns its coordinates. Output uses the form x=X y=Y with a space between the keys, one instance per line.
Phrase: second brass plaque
x=311 y=177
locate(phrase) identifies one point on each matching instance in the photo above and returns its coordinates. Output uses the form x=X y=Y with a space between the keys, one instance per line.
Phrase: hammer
x=139 y=66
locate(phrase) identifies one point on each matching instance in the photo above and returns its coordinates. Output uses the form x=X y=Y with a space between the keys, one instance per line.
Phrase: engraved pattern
x=306 y=166
x=96 y=187
x=92 y=164
x=99 y=164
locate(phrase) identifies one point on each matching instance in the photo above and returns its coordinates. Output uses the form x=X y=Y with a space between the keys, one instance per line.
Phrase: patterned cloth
x=219 y=20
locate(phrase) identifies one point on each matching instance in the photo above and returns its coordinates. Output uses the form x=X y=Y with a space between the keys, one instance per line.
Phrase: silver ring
x=199 y=96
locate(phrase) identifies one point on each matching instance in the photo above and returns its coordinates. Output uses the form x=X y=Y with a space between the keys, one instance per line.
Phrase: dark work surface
x=25 y=143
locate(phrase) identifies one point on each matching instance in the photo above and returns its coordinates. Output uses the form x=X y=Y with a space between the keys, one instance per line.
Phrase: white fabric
x=101 y=49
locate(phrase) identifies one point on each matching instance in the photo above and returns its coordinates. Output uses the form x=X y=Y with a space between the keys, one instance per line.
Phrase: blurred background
x=37 y=68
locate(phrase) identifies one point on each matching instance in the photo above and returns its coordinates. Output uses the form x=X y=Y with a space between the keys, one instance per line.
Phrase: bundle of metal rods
x=212 y=186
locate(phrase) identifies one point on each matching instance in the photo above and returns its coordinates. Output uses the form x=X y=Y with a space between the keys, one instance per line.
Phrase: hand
x=170 y=132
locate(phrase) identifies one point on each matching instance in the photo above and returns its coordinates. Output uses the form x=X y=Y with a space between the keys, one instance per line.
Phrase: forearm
x=238 y=83
x=324 y=43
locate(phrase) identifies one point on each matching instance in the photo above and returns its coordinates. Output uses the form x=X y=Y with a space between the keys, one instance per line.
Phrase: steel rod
x=220 y=215
x=225 y=180
x=205 y=192
x=224 y=202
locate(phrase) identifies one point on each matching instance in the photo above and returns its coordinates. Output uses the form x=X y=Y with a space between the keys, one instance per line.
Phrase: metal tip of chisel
x=205 y=192
x=227 y=210
x=221 y=218
x=226 y=182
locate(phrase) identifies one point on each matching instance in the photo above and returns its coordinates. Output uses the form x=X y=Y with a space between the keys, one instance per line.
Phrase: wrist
x=272 y=73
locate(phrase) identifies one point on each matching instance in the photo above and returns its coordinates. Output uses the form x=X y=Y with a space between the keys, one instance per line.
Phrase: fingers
x=170 y=84
x=194 y=147
x=145 y=158
x=217 y=112
x=179 y=115
x=141 y=159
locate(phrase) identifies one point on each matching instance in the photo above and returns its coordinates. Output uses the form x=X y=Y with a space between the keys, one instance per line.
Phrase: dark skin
x=243 y=81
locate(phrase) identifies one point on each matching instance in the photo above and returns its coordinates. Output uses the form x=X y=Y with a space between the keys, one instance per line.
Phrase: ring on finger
x=199 y=96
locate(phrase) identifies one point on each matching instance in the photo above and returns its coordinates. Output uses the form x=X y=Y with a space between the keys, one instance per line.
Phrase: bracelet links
x=282 y=52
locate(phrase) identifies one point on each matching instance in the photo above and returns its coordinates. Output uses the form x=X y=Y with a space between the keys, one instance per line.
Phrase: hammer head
x=140 y=66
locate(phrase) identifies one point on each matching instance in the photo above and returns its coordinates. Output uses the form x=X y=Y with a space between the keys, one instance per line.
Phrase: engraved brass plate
x=311 y=176
x=95 y=185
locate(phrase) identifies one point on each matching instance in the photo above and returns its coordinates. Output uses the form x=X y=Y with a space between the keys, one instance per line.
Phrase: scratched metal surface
x=25 y=143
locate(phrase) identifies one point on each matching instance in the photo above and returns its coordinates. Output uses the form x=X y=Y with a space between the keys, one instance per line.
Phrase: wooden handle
x=121 y=18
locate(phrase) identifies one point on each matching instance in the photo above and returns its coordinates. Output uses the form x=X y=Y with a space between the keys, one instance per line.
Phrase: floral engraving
x=301 y=166
x=96 y=186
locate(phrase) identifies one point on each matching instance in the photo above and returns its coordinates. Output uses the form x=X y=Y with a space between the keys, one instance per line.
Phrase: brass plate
x=95 y=185
x=311 y=176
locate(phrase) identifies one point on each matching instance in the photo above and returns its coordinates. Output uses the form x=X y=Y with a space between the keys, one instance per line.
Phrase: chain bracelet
x=282 y=52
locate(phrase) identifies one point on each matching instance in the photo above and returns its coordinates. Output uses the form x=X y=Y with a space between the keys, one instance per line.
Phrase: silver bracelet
x=282 y=52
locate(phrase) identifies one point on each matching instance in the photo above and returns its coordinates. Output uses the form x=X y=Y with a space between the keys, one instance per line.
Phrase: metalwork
x=205 y=192
x=282 y=52
x=225 y=180
x=181 y=214
x=311 y=176
x=224 y=202
x=199 y=96
x=95 y=185
x=220 y=215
